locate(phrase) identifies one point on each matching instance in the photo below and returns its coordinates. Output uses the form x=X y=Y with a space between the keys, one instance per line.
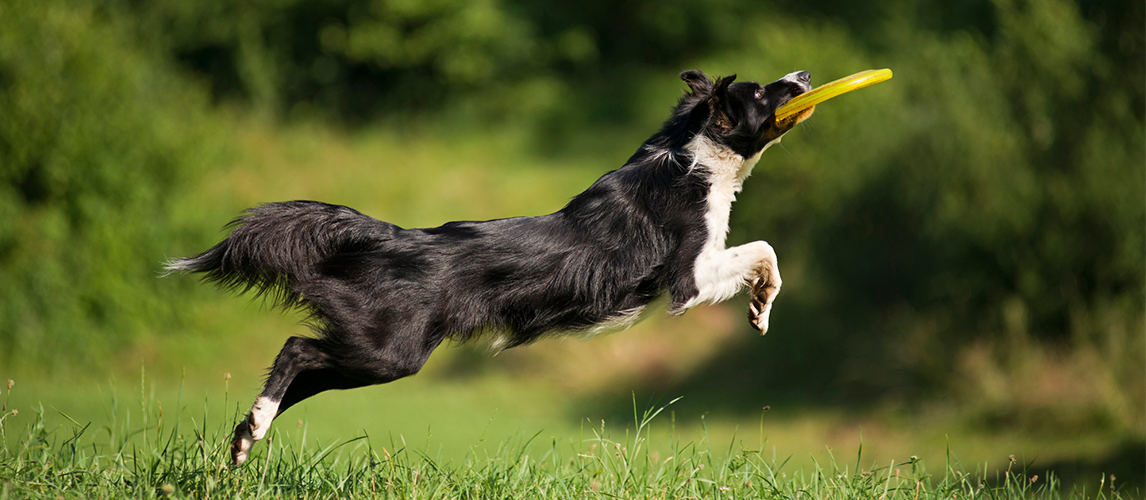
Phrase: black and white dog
x=381 y=298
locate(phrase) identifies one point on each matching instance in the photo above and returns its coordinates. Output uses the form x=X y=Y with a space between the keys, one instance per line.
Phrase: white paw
x=253 y=429
x=241 y=444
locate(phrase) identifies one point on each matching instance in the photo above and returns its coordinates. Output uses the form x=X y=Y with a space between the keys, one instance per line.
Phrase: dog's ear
x=721 y=87
x=723 y=119
x=697 y=81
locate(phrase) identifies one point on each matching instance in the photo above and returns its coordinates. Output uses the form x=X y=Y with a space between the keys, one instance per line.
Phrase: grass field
x=495 y=437
x=148 y=452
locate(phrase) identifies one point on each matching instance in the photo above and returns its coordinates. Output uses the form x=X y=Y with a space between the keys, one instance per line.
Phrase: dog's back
x=613 y=249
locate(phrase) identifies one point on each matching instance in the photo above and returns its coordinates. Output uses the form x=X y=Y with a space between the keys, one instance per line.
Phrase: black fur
x=382 y=298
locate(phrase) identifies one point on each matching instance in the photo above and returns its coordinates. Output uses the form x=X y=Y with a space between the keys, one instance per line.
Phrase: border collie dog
x=381 y=298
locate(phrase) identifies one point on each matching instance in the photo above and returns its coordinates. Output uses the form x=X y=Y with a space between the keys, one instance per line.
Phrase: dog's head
x=741 y=115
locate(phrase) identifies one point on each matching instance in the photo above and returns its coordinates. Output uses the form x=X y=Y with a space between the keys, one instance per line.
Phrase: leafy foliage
x=95 y=138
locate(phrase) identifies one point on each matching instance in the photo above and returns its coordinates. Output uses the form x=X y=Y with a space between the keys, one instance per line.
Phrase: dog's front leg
x=723 y=273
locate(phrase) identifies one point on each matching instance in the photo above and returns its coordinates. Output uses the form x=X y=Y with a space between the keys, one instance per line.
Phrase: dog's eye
x=759 y=94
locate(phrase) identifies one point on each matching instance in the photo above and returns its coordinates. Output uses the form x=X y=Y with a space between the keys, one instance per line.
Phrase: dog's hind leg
x=311 y=382
x=306 y=367
x=299 y=354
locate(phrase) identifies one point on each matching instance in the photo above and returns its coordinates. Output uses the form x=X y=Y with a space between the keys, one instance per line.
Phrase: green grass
x=147 y=453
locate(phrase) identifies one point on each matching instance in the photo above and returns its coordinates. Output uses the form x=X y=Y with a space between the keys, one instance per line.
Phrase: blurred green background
x=963 y=246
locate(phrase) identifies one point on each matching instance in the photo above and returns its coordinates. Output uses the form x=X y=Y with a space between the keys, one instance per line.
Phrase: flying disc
x=829 y=90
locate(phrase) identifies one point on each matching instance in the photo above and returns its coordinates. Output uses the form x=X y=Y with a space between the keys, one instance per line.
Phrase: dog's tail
x=276 y=246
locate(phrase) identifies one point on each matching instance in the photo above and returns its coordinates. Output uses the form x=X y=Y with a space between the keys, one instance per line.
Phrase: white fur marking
x=173 y=266
x=262 y=414
x=721 y=272
x=621 y=321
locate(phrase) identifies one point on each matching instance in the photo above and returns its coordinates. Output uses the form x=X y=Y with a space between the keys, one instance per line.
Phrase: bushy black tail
x=276 y=246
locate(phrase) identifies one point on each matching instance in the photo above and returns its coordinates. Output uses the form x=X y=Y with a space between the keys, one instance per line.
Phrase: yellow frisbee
x=829 y=90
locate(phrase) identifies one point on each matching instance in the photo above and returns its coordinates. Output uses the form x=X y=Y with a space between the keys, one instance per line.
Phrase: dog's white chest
x=726 y=174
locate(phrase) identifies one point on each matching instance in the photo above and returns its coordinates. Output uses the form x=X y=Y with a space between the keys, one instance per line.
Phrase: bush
x=96 y=136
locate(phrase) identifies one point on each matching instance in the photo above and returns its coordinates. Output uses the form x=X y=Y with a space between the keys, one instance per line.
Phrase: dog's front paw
x=763 y=287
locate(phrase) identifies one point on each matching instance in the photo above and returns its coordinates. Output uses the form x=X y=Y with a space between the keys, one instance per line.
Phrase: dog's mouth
x=799 y=82
x=797 y=108
x=791 y=121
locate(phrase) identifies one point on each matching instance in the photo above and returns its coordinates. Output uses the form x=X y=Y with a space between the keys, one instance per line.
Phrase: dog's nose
x=802 y=79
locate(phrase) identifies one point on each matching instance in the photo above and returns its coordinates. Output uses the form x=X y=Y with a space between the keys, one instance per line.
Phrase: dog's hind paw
x=241 y=443
x=764 y=286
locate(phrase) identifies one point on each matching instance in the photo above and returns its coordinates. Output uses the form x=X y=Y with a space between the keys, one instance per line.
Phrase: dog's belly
x=501 y=339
